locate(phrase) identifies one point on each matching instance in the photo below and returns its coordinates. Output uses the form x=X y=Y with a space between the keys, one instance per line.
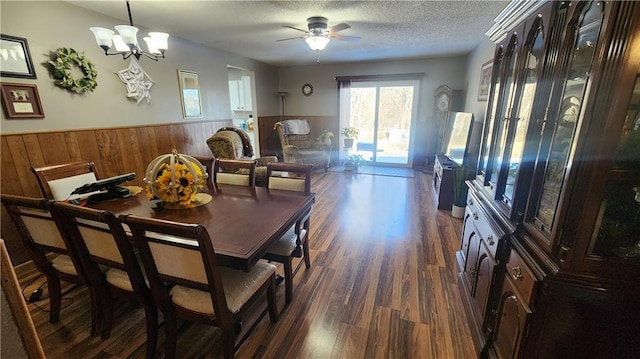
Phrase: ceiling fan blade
x=345 y=38
x=295 y=28
x=293 y=38
x=339 y=27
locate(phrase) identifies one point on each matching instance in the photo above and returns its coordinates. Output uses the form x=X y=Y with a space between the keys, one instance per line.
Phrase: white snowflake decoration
x=138 y=82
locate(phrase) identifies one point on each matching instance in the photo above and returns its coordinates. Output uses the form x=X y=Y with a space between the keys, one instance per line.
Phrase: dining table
x=242 y=221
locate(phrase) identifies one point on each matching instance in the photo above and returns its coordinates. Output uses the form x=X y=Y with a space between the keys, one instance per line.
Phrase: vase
x=457 y=212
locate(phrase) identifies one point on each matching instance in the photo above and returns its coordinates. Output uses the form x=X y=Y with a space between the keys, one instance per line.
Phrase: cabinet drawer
x=482 y=225
x=521 y=275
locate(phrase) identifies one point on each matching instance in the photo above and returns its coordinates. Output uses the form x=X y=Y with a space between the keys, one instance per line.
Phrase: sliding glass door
x=384 y=113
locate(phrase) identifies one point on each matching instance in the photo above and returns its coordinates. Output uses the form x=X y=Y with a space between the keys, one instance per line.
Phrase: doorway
x=384 y=112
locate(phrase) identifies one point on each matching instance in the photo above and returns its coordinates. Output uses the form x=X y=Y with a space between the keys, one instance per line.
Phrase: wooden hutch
x=550 y=251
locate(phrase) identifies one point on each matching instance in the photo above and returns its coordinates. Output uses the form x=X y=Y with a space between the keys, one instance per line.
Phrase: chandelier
x=126 y=42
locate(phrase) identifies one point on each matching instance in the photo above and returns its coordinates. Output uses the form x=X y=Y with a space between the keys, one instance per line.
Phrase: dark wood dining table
x=242 y=221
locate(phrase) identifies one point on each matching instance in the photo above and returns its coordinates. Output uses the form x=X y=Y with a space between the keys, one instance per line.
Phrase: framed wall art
x=190 y=94
x=15 y=58
x=21 y=101
x=485 y=80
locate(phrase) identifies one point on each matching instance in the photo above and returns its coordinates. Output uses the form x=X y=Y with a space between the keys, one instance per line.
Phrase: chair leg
x=171 y=334
x=288 y=280
x=271 y=299
x=96 y=316
x=228 y=340
x=307 y=259
x=151 y=317
x=55 y=297
x=106 y=309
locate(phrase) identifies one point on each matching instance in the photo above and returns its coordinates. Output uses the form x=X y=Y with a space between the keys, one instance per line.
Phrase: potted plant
x=459 y=192
x=352 y=162
x=350 y=134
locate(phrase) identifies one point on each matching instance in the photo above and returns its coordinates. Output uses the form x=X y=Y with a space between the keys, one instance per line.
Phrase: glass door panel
x=564 y=129
x=502 y=118
x=524 y=112
x=384 y=113
x=618 y=224
x=491 y=120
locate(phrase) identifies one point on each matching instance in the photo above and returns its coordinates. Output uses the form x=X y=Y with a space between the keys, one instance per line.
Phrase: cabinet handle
x=490 y=240
x=475 y=216
x=470 y=202
x=516 y=273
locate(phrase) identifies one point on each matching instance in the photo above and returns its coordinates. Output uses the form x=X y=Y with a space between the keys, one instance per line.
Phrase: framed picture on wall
x=485 y=80
x=21 y=101
x=190 y=94
x=15 y=58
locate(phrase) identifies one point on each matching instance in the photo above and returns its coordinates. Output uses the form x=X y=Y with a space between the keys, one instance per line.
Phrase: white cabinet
x=240 y=94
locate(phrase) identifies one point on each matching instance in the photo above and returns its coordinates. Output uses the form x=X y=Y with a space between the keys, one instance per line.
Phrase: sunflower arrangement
x=175 y=178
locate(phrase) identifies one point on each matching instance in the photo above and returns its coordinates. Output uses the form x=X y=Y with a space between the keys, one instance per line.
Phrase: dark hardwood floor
x=382 y=284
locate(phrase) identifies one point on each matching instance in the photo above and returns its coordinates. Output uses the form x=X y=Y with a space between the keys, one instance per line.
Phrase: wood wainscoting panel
x=114 y=151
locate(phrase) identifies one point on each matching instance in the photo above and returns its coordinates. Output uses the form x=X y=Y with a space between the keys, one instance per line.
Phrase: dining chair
x=41 y=236
x=207 y=163
x=182 y=256
x=235 y=172
x=58 y=181
x=295 y=242
x=109 y=260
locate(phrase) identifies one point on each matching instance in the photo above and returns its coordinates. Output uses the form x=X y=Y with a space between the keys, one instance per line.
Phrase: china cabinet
x=558 y=185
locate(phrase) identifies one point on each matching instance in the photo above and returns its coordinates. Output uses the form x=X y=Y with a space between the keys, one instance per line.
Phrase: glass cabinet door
x=505 y=98
x=559 y=130
x=520 y=122
x=491 y=117
x=618 y=224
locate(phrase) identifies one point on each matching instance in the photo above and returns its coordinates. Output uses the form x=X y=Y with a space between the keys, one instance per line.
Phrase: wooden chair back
x=235 y=172
x=289 y=176
x=58 y=181
x=41 y=234
x=207 y=163
x=100 y=239
x=179 y=254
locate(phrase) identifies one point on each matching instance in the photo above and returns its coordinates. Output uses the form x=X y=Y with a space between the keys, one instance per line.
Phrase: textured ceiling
x=389 y=30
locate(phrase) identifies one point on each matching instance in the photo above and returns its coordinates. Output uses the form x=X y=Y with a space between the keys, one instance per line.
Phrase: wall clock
x=307 y=89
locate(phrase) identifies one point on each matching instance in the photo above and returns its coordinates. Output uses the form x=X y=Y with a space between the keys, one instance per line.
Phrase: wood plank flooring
x=382 y=284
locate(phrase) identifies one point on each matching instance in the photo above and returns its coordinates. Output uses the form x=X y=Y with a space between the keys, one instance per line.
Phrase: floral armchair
x=298 y=146
x=233 y=143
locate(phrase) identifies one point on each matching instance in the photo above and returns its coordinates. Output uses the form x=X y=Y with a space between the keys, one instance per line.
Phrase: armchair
x=234 y=144
x=298 y=146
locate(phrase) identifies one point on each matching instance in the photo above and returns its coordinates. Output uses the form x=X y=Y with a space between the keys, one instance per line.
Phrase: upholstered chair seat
x=239 y=286
x=62 y=263
x=288 y=243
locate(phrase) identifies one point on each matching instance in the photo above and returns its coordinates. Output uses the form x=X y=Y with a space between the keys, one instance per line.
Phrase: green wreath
x=65 y=60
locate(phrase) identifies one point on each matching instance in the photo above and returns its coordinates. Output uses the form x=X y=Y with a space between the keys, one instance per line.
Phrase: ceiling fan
x=318 y=35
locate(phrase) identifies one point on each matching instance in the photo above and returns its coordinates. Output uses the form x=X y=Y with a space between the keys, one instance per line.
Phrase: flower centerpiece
x=325 y=137
x=176 y=179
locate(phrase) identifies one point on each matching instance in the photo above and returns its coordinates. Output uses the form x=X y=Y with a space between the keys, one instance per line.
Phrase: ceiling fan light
x=317 y=42
x=102 y=35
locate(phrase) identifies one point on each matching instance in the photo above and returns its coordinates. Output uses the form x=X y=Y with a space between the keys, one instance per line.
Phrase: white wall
x=48 y=25
x=481 y=54
x=324 y=101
